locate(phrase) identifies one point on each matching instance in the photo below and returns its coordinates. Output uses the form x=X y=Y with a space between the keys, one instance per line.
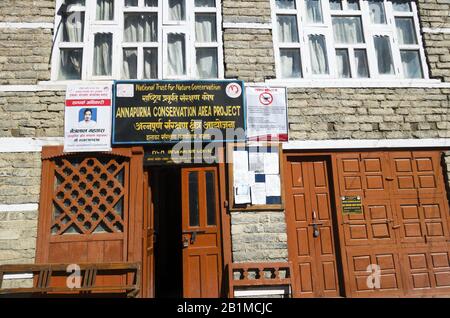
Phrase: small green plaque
x=352 y=205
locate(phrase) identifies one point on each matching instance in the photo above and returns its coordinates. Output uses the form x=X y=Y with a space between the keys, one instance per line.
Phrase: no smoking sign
x=266 y=98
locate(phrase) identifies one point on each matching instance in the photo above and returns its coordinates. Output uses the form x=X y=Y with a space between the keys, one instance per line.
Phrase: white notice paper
x=243 y=177
x=273 y=187
x=259 y=193
x=256 y=162
x=242 y=194
x=271 y=165
x=240 y=161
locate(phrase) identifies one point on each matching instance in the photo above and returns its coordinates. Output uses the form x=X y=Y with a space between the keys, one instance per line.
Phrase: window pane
x=129 y=67
x=131 y=3
x=150 y=63
x=194 y=215
x=405 y=31
x=207 y=63
x=353 y=4
x=287 y=28
x=73 y=27
x=205 y=28
x=177 y=10
x=210 y=198
x=362 y=67
x=348 y=30
x=377 y=14
x=105 y=10
x=314 y=8
x=343 y=63
x=103 y=54
x=402 y=6
x=70 y=64
x=176 y=52
x=318 y=53
x=151 y=3
x=384 y=55
x=335 y=4
x=412 y=68
x=205 y=3
x=285 y=4
x=290 y=63
x=141 y=27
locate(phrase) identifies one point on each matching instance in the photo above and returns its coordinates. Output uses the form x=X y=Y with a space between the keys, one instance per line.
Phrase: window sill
x=354 y=83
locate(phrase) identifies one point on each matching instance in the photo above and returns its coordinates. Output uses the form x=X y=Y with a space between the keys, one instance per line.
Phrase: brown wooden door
x=308 y=210
x=403 y=227
x=85 y=212
x=201 y=238
x=149 y=241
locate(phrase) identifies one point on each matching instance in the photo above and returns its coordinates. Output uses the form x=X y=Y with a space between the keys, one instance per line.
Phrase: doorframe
x=341 y=258
x=225 y=232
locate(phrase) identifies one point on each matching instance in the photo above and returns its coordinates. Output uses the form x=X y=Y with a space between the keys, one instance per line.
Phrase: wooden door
x=201 y=234
x=310 y=227
x=90 y=209
x=148 y=265
x=403 y=227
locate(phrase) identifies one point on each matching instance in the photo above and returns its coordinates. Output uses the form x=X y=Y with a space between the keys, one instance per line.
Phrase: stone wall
x=259 y=237
x=246 y=11
x=32 y=114
x=376 y=113
x=27 y=11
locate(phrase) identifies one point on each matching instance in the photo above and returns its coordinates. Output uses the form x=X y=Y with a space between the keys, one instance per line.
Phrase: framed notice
x=266 y=113
x=167 y=112
x=255 y=177
x=87 y=118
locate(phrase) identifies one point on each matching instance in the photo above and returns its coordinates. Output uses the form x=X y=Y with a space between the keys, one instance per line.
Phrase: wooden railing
x=260 y=274
x=90 y=275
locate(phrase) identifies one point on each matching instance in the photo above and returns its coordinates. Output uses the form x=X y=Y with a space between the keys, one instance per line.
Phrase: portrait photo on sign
x=87 y=117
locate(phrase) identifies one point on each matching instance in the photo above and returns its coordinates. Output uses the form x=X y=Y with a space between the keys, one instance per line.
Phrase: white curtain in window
x=73 y=27
x=318 y=53
x=287 y=28
x=105 y=10
x=205 y=28
x=176 y=52
x=140 y=28
x=314 y=8
x=401 y=5
x=384 y=55
x=129 y=67
x=177 y=10
x=405 y=31
x=71 y=60
x=103 y=54
x=150 y=63
x=207 y=63
x=377 y=15
x=290 y=63
x=362 y=68
x=131 y=3
x=285 y=4
x=343 y=64
x=347 y=30
x=205 y=3
x=335 y=4
x=411 y=64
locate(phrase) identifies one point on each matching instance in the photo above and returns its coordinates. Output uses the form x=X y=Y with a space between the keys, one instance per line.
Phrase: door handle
x=193 y=235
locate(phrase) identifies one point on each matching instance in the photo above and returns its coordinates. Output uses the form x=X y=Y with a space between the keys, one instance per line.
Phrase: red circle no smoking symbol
x=266 y=98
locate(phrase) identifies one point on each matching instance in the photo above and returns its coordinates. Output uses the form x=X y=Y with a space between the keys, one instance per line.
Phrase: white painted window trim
x=116 y=28
x=369 y=31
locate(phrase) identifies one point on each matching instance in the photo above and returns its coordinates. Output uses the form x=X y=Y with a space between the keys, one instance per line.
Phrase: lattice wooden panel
x=89 y=195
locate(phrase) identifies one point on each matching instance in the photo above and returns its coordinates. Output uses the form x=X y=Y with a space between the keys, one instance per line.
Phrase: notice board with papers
x=255 y=177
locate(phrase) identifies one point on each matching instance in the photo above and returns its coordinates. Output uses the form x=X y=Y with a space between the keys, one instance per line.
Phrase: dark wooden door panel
x=202 y=251
x=310 y=228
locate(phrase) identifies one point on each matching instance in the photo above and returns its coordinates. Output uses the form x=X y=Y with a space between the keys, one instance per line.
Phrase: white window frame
x=369 y=31
x=116 y=27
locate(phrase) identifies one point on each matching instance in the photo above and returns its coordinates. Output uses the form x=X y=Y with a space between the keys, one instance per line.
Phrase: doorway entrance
x=187 y=240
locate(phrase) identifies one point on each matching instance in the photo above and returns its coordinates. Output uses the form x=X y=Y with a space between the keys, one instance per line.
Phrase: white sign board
x=87 y=118
x=266 y=113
